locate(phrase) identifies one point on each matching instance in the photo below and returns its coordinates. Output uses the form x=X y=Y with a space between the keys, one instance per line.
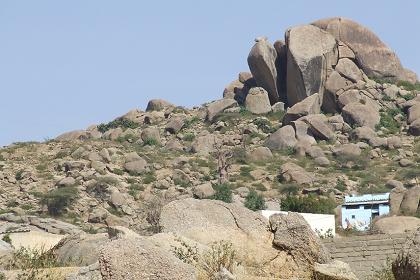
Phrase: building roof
x=367 y=198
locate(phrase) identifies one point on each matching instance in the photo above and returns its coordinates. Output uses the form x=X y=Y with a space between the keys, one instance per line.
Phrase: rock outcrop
x=372 y=55
x=311 y=55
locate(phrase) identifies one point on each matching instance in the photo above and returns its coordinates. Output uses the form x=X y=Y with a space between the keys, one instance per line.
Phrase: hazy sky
x=67 y=64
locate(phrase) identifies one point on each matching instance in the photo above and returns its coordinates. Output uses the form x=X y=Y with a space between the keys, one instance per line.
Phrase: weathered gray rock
x=407 y=264
x=372 y=55
x=414 y=128
x=139 y=258
x=410 y=202
x=66 y=182
x=308 y=106
x=294 y=235
x=136 y=167
x=347 y=150
x=290 y=172
x=203 y=144
x=175 y=124
x=319 y=127
x=363 y=133
x=217 y=107
x=283 y=138
x=151 y=133
x=413 y=113
x=261 y=154
x=261 y=61
x=397 y=224
x=349 y=96
x=80 y=248
x=334 y=83
x=257 y=101
x=349 y=70
x=336 y=270
x=204 y=191
x=311 y=54
x=158 y=105
x=303 y=132
x=359 y=114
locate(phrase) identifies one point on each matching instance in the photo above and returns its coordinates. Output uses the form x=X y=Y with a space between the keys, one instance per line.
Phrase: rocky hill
x=328 y=111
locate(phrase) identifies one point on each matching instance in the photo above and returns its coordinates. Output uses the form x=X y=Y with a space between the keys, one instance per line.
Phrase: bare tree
x=153 y=212
x=223 y=162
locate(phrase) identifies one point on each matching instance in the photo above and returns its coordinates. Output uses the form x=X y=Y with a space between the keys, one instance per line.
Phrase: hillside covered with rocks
x=326 y=112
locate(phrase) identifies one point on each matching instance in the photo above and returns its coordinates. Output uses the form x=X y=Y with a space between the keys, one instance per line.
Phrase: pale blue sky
x=67 y=64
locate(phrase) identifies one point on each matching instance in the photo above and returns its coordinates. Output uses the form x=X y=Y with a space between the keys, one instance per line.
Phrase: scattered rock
x=397 y=224
x=359 y=114
x=291 y=172
x=336 y=270
x=257 y=101
x=217 y=107
x=283 y=138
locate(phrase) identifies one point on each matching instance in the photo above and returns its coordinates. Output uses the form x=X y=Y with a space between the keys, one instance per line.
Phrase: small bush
x=59 y=199
x=223 y=193
x=189 y=137
x=134 y=189
x=221 y=255
x=191 y=122
x=387 y=121
x=308 y=204
x=35 y=264
x=118 y=171
x=6 y=238
x=239 y=155
x=19 y=175
x=264 y=125
x=186 y=253
x=149 y=178
x=409 y=86
x=254 y=201
x=120 y=122
x=150 y=142
x=245 y=171
x=289 y=189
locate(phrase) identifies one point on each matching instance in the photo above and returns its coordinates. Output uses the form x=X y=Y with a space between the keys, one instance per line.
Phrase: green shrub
x=223 y=193
x=254 y=201
x=264 y=125
x=150 y=142
x=186 y=253
x=309 y=204
x=119 y=122
x=245 y=171
x=19 y=175
x=289 y=189
x=34 y=264
x=239 y=155
x=6 y=238
x=58 y=199
x=340 y=185
x=191 y=122
x=189 y=137
x=149 y=178
x=134 y=189
x=409 y=86
x=387 y=121
x=220 y=255
x=118 y=171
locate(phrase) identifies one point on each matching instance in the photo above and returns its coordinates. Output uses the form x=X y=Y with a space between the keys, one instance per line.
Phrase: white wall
x=320 y=223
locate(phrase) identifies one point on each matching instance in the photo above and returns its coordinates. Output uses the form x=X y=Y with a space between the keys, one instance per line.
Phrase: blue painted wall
x=360 y=216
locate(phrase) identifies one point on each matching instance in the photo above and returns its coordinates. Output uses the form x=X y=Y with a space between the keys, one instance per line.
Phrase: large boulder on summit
x=257 y=101
x=283 y=138
x=139 y=258
x=158 y=105
x=311 y=55
x=294 y=235
x=372 y=55
x=209 y=221
x=261 y=61
x=407 y=264
x=358 y=114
